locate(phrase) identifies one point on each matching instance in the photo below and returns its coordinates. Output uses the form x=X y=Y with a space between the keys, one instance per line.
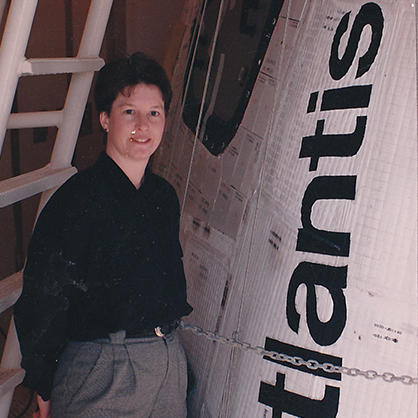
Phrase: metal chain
x=299 y=361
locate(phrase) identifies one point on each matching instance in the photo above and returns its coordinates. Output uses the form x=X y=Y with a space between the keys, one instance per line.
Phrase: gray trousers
x=118 y=377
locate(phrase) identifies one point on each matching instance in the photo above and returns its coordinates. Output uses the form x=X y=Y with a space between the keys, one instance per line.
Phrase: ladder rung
x=10 y=289
x=26 y=185
x=9 y=379
x=42 y=66
x=35 y=119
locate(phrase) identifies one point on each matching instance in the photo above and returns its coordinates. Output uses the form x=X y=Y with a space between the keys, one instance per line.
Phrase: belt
x=159 y=331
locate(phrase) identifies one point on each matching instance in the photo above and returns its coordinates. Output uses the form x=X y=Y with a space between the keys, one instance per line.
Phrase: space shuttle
x=292 y=145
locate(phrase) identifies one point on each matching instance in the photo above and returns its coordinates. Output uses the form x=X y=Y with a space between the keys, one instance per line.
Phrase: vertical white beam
x=95 y=28
x=12 y=52
x=80 y=84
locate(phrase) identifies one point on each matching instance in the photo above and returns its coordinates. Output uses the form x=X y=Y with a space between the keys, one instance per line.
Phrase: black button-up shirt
x=104 y=256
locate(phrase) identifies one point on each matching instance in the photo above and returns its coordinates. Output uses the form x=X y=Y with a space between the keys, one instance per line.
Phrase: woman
x=104 y=284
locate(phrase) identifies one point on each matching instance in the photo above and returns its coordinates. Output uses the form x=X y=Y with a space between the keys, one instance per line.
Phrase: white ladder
x=13 y=65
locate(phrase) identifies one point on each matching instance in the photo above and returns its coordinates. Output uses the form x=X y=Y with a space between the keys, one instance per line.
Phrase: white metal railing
x=13 y=65
x=35 y=119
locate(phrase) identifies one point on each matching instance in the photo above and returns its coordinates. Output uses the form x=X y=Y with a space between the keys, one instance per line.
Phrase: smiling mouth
x=139 y=140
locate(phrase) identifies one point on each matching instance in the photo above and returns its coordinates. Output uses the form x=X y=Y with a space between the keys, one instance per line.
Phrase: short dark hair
x=127 y=72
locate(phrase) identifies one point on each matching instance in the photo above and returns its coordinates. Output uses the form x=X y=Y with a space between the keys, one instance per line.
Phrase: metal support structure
x=80 y=84
x=12 y=52
x=13 y=65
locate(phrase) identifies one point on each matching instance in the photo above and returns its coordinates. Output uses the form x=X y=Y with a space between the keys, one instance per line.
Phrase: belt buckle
x=159 y=332
x=166 y=329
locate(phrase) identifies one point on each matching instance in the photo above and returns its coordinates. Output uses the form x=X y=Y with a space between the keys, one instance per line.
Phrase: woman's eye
x=129 y=111
x=154 y=113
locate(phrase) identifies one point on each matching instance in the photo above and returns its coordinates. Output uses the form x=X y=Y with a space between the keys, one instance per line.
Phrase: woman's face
x=135 y=124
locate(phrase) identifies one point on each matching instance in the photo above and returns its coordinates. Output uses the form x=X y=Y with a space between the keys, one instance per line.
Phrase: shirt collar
x=118 y=180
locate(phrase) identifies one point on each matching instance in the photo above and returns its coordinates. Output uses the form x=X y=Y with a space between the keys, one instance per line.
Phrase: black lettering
x=313 y=240
x=312 y=102
x=335 y=145
x=283 y=401
x=334 y=279
x=369 y=14
x=353 y=97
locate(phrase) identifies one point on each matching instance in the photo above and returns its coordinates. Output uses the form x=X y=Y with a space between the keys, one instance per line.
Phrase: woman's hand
x=44 y=409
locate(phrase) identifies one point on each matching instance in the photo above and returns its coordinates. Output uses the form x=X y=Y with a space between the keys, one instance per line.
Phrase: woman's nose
x=141 y=123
